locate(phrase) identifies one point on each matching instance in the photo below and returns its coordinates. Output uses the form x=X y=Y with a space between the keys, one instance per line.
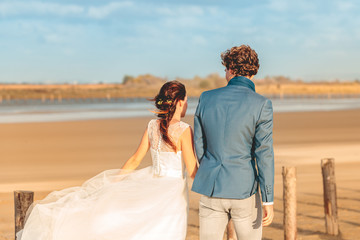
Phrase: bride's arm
x=134 y=161
x=187 y=148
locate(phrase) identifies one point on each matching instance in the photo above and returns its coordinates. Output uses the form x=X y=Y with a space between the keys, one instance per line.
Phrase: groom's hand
x=268 y=215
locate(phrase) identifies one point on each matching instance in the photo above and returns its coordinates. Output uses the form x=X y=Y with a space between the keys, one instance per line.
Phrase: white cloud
x=311 y=43
x=214 y=11
x=278 y=5
x=182 y=10
x=199 y=40
x=186 y=16
x=34 y=7
x=53 y=38
x=165 y=11
x=345 y=5
x=191 y=10
x=20 y=8
x=182 y=22
x=100 y=12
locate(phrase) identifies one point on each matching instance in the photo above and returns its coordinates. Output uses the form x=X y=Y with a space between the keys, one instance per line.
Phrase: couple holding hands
x=232 y=166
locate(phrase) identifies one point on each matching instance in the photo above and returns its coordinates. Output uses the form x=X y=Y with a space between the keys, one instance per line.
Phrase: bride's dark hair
x=166 y=100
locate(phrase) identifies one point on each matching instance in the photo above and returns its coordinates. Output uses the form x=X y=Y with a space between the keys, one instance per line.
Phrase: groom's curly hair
x=242 y=60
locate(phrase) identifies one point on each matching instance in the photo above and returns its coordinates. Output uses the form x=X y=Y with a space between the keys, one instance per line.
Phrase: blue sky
x=98 y=40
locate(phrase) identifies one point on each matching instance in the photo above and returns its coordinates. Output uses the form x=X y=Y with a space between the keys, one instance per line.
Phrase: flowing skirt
x=112 y=206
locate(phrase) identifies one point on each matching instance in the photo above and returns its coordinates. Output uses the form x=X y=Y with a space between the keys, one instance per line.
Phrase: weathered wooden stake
x=231 y=234
x=330 y=199
x=281 y=94
x=289 y=195
x=22 y=201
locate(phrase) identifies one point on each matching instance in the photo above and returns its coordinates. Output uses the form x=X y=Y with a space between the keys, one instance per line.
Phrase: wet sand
x=43 y=157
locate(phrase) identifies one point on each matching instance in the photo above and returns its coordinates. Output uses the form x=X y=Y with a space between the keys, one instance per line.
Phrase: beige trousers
x=246 y=214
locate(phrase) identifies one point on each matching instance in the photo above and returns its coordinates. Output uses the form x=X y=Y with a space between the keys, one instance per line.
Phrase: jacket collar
x=242 y=81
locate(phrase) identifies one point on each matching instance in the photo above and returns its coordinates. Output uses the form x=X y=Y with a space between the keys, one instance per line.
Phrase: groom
x=233 y=141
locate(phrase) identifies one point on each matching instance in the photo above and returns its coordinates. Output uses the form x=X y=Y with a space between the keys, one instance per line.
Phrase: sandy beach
x=43 y=157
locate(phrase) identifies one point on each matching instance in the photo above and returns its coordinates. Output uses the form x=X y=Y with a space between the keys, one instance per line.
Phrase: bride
x=147 y=204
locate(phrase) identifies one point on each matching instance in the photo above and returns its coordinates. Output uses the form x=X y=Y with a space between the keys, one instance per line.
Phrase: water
x=72 y=110
x=306 y=105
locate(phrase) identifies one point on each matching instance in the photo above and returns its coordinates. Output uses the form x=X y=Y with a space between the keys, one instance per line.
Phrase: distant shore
x=43 y=157
x=148 y=90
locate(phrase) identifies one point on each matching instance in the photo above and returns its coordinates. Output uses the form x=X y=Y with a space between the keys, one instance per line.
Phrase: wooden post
x=289 y=195
x=281 y=94
x=59 y=98
x=330 y=201
x=22 y=201
x=231 y=234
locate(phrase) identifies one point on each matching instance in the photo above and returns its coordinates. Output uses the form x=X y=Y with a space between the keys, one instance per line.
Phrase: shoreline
x=114 y=110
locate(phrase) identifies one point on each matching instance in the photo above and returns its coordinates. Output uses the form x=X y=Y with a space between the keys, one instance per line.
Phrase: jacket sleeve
x=199 y=137
x=264 y=152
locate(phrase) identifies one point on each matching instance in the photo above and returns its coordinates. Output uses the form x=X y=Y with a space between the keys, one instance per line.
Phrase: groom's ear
x=179 y=103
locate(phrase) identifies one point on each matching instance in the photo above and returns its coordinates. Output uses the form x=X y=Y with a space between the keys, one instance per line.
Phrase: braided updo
x=166 y=100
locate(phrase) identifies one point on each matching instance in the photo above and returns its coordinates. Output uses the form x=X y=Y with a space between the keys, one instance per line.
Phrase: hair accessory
x=160 y=102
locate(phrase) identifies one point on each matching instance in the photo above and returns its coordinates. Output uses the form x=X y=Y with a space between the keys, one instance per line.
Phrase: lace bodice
x=165 y=161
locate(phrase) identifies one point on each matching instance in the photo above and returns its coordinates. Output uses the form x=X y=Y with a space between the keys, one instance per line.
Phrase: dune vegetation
x=148 y=85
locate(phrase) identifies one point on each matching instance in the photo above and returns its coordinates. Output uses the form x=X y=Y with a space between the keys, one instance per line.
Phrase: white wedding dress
x=146 y=204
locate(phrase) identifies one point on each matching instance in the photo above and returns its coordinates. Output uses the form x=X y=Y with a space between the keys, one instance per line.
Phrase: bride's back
x=166 y=162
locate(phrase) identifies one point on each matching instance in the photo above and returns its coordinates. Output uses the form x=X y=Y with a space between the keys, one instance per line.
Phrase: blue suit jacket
x=233 y=142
